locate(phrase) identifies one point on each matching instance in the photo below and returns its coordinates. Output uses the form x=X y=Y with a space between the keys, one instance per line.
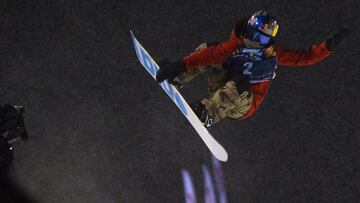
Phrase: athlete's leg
x=227 y=102
x=216 y=77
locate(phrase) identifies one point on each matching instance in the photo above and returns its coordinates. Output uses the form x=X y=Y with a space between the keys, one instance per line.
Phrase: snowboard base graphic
x=150 y=65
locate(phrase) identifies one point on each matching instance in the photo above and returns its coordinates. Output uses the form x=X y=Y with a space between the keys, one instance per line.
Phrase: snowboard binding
x=201 y=112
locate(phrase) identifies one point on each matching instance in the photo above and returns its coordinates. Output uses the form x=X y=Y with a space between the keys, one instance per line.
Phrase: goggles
x=261 y=38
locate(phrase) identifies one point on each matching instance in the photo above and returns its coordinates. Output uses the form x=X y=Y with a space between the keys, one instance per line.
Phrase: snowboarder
x=240 y=70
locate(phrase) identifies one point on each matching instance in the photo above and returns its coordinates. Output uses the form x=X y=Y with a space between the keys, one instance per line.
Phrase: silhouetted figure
x=12 y=130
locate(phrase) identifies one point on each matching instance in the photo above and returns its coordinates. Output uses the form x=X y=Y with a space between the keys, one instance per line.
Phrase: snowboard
x=150 y=65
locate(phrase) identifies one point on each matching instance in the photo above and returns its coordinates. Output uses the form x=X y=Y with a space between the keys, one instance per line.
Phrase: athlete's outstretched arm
x=316 y=53
x=293 y=57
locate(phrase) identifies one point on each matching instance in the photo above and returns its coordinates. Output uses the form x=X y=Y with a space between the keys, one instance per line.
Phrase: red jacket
x=286 y=57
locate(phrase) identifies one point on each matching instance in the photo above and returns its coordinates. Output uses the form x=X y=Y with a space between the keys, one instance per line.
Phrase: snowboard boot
x=201 y=112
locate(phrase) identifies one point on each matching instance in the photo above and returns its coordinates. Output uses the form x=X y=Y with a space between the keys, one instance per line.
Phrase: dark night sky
x=103 y=131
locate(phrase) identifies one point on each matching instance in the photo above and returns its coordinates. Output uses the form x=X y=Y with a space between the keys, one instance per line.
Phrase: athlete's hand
x=335 y=40
x=169 y=70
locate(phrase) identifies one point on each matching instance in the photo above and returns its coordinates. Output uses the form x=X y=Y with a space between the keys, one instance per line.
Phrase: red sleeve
x=212 y=55
x=260 y=91
x=314 y=54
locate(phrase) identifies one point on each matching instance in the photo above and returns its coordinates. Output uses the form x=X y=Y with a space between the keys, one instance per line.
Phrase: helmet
x=262 y=27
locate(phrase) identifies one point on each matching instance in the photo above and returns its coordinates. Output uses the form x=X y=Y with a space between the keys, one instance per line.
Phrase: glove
x=334 y=41
x=169 y=70
x=242 y=84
